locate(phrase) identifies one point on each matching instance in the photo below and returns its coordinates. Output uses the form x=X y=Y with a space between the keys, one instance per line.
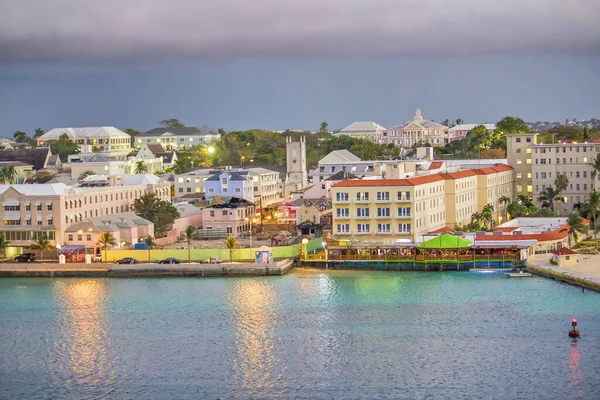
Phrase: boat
x=519 y=274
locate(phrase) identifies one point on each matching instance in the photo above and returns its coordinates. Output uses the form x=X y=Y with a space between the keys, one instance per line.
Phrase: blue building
x=229 y=183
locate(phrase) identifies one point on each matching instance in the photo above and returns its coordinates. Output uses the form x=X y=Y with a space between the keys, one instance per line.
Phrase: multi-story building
x=47 y=210
x=192 y=182
x=370 y=131
x=518 y=151
x=107 y=139
x=461 y=131
x=177 y=138
x=230 y=218
x=102 y=165
x=383 y=210
x=419 y=130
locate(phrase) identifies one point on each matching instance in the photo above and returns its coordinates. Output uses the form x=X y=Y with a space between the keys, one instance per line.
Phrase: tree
x=37 y=133
x=231 y=242
x=595 y=169
x=504 y=201
x=64 y=147
x=561 y=182
x=182 y=165
x=140 y=167
x=516 y=210
x=107 y=239
x=591 y=208
x=547 y=198
x=511 y=125
x=8 y=175
x=150 y=243
x=41 y=244
x=190 y=233
x=459 y=121
x=576 y=226
x=160 y=212
x=586 y=135
x=3 y=245
x=324 y=127
x=85 y=174
x=21 y=137
x=487 y=215
x=525 y=200
x=446 y=122
x=171 y=123
x=493 y=153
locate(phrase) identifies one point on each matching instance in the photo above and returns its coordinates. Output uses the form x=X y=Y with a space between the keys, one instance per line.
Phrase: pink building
x=189 y=215
x=231 y=218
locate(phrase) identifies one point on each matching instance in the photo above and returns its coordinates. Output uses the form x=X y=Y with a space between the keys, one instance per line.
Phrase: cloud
x=149 y=31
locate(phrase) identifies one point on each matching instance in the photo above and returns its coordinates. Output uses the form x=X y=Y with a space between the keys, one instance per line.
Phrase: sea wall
x=563 y=276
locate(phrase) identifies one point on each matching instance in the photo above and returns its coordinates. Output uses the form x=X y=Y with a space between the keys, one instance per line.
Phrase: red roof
x=420 y=180
x=563 y=251
x=502 y=168
x=558 y=234
x=484 y=171
x=459 y=175
x=436 y=165
x=444 y=229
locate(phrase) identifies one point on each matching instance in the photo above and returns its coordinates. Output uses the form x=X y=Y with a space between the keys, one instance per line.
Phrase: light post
x=242 y=158
x=324 y=243
x=304 y=253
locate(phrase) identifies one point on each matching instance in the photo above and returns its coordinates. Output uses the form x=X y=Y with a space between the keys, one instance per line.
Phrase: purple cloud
x=156 y=30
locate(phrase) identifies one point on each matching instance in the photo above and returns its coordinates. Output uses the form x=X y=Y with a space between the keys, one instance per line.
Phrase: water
x=371 y=335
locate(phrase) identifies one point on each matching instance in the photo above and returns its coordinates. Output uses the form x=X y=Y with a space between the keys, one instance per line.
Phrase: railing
x=347 y=216
x=402 y=216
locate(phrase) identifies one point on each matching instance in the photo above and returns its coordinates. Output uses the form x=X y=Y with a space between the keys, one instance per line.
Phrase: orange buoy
x=574 y=332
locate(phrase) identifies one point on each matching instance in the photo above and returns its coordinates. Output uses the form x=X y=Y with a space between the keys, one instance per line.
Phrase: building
x=31 y=211
x=127 y=228
x=177 y=138
x=382 y=210
x=370 y=131
x=321 y=189
x=151 y=151
x=189 y=215
x=191 y=182
x=419 y=130
x=40 y=158
x=296 y=173
x=462 y=130
x=107 y=139
x=518 y=151
x=231 y=217
x=229 y=183
x=21 y=170
x=102 y=165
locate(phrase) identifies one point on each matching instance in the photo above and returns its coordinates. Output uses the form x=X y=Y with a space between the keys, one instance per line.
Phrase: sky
x=292 y=64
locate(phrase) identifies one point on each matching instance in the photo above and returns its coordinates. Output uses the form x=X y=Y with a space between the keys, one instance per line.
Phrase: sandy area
x=588 y=264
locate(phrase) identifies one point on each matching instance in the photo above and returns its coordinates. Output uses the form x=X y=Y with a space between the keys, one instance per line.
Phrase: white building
x=107 y=139
x=151 y=151
x=177 y=138
x=370 y=130
x=100 y=164
x=419 y=130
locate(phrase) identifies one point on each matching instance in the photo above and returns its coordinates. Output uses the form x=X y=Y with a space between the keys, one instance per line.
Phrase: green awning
x=446 y=241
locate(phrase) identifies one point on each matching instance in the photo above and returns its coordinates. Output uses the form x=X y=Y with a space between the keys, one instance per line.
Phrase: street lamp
x=242 y=163
x=324 y=243
x=304 y=243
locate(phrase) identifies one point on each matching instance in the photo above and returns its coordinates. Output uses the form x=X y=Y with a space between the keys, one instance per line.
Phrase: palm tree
x=150 y=243
x=324 y=127
x=547 y=197
x=3 y=245
x=231 y=242
x=525 y=200
x=487 y=215
x=595 y=169
x=41 y=244
x=190 y=232
x=8 y=175
x=592 y=207
x=576 y=226
x=140 y=167
x=561 y=182
x=504 y=201
x=107 y=239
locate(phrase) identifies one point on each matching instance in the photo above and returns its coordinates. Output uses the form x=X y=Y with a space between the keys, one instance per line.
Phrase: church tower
x=296 y=177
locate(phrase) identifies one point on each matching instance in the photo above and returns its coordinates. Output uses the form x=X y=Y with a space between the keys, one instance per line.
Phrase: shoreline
x=569 y=276
x=277 y=268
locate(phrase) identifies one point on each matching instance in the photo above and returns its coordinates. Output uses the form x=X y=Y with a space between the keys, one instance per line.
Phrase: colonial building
x=370 y=131
x=177 y=138
x=106 y=139
x=419 y=130
x=151 y=151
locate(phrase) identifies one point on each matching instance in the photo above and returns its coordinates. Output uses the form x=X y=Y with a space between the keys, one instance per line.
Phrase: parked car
x=169 y=260
x=25 y=257
x=127 y=260
x=212 y=260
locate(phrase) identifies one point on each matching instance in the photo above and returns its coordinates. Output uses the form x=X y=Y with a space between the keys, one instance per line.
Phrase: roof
x=458 y=175
x=502 y=168
x=435 y=165
x=564 y=251
x=339 y=156
x=183 y=131
x=155 y=148
x=36 y=157
x=37 y=189
x=232 y=202
x=339 y=176
x=444 y=229
x=446 y=241
x=102 y=132
x=420 y=180
x=187 y=210
x=368 y=126
x=233 y=176
x=139 y=179
x=14 y=164
x=558 y=234
x=109 y=223
x=468 y=127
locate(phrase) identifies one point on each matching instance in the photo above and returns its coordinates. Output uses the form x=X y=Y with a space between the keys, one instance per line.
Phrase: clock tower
x=296 y=177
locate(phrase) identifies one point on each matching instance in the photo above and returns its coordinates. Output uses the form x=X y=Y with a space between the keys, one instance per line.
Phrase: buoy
x=574 y=332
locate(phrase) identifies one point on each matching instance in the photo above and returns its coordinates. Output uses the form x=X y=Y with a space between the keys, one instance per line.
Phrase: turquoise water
x=308 y=335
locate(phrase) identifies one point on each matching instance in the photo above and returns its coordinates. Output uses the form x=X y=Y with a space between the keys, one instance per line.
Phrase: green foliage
x=37 y=133
x=324 y=128
x=511 y=125
x=576 y=226
x=231 y=242
x=64 y=147
x=160 y=212
x=596 y=167
x=21 y=137
x=107 y=239
x=561 y=133
x=547 y=198
x=190 y=233
x=150 y=244
x=182 y=165
x=171 y=123
x=8 y=175
x=41 y=245
x=561 y=182
x=516 y=210
x=3 y=245
x=140 y=167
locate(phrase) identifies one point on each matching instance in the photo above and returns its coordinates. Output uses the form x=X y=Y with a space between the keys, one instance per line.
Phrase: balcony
x=363 y=216
x=383 y=201
x=404 y=216
x=384 y=232
x=362 y=201
x=344 y=233
x=403 y=232
x=342 y=216
x=383 y=216
x=336 y=201
x=404 y=200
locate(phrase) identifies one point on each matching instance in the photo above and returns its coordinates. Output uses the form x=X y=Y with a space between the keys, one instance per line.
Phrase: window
x=212 y=213
x=70 y=237
x=79 y=238
x=341 y=197
x=529 y=161
x=519 y=162
x=404 y=211
x=363 y=228
x=224 y=213
x=519 y=188
x=50 y=221
x=383 y=212
x=529 y=188
x=519 y=175
x=362 y=212
x=518 y=151
x=362 y=196
x=343 y=228
x=237 y=190
x=403 y=228
x=529 y=175
x=518 y=140
x=28 y=222
x=180 y=190
x=577 y=174
x=403 y=196
x=383 y=228
x=343 y=212
x=543 y=175
x=224 y=181
x=383 y=196
x=528 y=140
x=12 y=208
x=39 y=222
x=211 y=190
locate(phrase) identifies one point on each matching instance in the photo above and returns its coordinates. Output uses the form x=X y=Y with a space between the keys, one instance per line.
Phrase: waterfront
x=310 y=334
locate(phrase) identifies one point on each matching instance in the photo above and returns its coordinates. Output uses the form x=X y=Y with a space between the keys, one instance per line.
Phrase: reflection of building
x=106 y=139
x=127 y=229
x=177 y=138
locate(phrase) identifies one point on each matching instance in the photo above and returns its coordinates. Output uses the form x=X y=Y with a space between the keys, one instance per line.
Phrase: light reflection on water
x=258 y=364
x=83 y=344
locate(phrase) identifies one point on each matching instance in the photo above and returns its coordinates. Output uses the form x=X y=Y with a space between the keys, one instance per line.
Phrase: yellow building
x=461 y=193
x=518 y=150
x=493 y=184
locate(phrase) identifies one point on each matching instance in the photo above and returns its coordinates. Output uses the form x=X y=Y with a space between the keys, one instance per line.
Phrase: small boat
x=519 y=274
